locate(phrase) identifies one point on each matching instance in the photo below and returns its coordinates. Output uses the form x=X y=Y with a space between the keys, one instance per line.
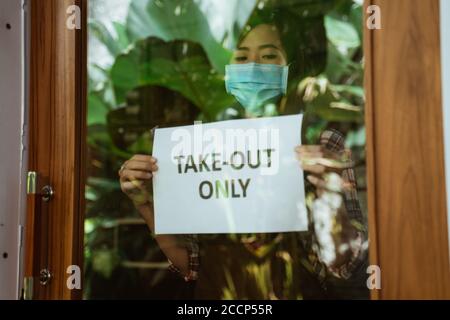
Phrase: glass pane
x=155 y=63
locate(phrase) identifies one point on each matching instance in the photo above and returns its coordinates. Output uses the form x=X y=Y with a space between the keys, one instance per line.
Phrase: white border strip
x=445 y=57
x=13 y=137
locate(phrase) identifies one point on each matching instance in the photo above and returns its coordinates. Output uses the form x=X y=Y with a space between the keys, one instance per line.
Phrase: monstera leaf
x=175 y=20
x=97 y=110
x=154 y=62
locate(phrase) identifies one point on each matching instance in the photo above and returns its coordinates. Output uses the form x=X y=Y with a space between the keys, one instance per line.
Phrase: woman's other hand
x=320 y=164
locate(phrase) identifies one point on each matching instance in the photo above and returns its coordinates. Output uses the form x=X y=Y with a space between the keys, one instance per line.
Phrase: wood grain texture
x=370 y=150
x=407 y=194
x=57 y=116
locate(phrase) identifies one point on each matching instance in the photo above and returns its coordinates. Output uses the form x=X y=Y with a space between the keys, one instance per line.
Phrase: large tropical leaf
x=156 y=63
x=227 y=20
x=175 y=20
x=97 y=110
x=115 y=42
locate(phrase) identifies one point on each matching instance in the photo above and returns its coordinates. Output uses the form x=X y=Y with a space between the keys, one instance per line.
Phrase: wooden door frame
x=412 y=266
x=57 y=116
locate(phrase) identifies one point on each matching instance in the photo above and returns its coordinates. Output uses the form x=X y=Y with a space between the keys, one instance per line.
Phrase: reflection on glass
x=169 y=63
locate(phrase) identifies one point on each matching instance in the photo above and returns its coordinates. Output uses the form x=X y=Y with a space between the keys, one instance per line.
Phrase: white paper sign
x=237 y=176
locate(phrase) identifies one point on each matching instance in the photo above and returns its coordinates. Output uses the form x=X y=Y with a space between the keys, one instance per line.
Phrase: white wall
x=12 y=152
x=445 y=56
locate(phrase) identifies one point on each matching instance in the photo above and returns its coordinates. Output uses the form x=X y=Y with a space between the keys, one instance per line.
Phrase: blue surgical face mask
x=255 y=84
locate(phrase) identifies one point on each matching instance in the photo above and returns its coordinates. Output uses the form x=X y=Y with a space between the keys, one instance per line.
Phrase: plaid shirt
x=333 y=141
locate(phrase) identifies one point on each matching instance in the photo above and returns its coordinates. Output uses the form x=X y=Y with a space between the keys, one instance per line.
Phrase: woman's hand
x=135 y=176
x=323 y=166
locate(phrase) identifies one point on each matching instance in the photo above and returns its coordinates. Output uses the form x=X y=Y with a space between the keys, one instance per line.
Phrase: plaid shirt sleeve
x=334 y=141
x=190 y=242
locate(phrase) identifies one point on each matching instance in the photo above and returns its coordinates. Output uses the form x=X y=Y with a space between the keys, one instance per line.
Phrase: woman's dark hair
x=302 y=34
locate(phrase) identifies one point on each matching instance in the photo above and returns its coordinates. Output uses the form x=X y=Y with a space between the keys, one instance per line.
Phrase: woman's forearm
x=169 y=244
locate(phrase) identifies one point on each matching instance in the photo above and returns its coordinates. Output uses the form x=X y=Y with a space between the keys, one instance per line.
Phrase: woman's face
x=261 y=45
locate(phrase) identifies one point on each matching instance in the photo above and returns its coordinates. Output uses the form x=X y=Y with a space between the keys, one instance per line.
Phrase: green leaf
x=323 y=107
x=122 y=36
x=97 y=110
x=125 y=75
x=191 y=76
x=237 y=13
x=356 y=138
x=323 y=101
x=175 y=20
x=341 y=33
x=356 y=18
x=340 y=65
x=101 y=32
x=353 y=90
x=138 y=20
x=97 y=77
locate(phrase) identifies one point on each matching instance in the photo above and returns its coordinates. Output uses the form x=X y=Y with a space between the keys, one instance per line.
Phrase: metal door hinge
x=28 y=288
x=45 y=276
x=39 y=186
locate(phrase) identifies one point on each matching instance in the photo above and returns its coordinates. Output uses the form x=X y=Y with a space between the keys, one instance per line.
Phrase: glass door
x=155 y=64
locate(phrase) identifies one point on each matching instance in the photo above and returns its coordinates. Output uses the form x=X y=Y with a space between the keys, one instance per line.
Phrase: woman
x=257 y=78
